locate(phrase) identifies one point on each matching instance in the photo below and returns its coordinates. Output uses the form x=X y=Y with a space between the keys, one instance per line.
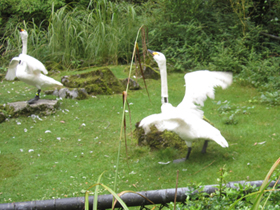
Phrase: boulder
x=149 y=72
x=22 y=108
x=133 y=85
x=76 y=93
x=97 y=82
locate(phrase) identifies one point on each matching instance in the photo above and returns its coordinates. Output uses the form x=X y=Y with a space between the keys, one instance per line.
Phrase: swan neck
x=24 y=46
x=164 y=85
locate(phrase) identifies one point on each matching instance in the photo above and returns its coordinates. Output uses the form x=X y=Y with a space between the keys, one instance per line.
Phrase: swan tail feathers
x=221 y=141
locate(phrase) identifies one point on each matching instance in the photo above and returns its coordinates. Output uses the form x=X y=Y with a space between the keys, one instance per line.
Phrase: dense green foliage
x=230 y=35
x=220 y=35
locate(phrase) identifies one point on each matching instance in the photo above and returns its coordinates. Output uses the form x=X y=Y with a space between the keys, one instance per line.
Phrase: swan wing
x=33 y=65
x=201 y=84
x=187 y=125
x=11 y=73
x=199 y=129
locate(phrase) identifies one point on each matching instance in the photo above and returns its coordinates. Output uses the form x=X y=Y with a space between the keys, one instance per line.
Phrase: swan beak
x=20 y=29
x=152 y=52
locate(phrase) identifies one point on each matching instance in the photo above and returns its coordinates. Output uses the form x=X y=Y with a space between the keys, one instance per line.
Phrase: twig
x=176 y=189
x=270 y=35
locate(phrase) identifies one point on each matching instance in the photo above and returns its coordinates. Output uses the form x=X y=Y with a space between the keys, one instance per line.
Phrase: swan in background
x=29 y=70
x=186 y=119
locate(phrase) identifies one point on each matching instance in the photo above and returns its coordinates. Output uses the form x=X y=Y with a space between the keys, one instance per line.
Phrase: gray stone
x=133 y=85
x=41 y=107
x=76 y=93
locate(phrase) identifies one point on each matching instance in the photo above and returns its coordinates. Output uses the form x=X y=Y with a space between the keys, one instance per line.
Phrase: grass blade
x=115 y=196
x=128 y=191
x=262 y=188
x=86 y=200
x=265 y=184
x=95 y=202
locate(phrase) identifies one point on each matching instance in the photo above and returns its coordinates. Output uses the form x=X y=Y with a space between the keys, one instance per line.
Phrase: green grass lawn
x=84 y=137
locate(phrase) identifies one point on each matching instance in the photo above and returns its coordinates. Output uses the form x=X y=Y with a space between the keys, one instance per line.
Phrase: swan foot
x=36 y=98
x=33 y=100
x=179 y=160
x=183 y=159
x=204 y=146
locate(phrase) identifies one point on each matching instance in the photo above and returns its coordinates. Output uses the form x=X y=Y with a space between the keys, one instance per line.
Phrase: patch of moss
x=101 y=81
x=158 y=140
x=149 y=72
x=82 y=94
x=2 y=117
x=6 y=111
x=2 y=76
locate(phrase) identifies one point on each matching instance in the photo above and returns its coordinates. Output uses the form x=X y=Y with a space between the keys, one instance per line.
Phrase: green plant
x=78 y=37
x=262 y=74
x=241 y=197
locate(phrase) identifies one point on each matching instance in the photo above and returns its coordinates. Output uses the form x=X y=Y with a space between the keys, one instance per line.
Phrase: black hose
x=131 y=199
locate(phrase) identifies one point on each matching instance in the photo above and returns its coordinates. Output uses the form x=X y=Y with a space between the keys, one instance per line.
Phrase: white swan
x=28 y=70
x=187 y=119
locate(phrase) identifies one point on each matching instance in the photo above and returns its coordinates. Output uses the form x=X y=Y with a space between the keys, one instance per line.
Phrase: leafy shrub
x=271 y=98
x=262 y=74
x=241 y=197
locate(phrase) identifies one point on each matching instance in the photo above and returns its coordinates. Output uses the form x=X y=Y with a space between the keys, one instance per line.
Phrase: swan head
x=23 y=34
x=158 y=57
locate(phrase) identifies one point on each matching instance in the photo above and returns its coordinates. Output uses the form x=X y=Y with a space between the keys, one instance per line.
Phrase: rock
x=97 y=82
x=22 y=108
x=133 y=85
x=149 y=72
x=76 y=93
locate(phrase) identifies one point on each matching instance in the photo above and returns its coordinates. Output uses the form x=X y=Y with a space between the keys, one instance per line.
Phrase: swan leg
x=183 y=159
x=204 y=146
x=35 y=99
x=189 y=152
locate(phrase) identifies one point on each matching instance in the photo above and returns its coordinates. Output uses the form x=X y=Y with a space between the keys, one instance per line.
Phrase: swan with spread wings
x=186 y=119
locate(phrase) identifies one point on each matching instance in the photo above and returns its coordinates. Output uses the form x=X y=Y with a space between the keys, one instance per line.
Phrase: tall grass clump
x=96 y=36
x=79 y=37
